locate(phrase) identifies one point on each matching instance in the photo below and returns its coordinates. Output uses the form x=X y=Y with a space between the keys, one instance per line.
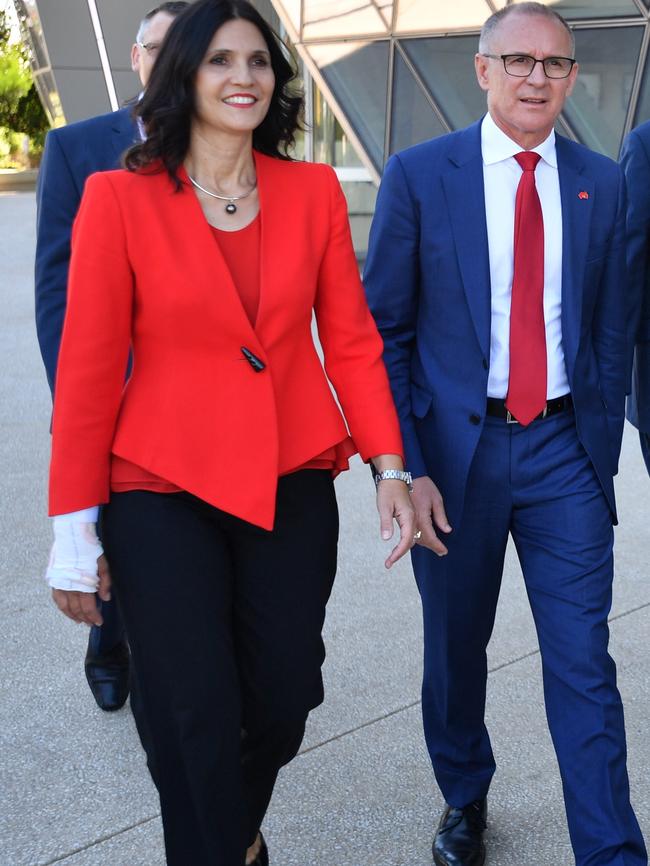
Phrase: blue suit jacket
x=71 y=154
x=635 y=159
x=428 y=284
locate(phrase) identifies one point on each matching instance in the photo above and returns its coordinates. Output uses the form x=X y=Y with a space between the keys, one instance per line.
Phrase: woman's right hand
x=78 y=571
x=82 y=606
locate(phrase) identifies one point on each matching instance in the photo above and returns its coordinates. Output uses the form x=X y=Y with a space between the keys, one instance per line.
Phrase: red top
x=241 y=252
x=194 y=411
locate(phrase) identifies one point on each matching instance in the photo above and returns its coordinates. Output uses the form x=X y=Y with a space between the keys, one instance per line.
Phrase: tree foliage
x=15 y=75
x=20 y=107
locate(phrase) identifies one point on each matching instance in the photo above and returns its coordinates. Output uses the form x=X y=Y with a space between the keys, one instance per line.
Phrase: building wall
x=378 y=75
x=399 y=72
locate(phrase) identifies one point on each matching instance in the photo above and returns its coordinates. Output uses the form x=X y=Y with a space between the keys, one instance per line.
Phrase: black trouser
x=224 y=622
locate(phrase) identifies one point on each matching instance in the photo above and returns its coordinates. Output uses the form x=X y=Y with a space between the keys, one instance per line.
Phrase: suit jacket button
x=256 y=363
x=474 y=418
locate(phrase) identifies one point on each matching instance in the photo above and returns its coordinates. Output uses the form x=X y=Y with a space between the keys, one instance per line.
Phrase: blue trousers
x=537 y=484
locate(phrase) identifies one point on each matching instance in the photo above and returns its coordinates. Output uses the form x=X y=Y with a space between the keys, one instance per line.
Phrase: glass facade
x=32 y=34
x=379 y=75
x=396 y=72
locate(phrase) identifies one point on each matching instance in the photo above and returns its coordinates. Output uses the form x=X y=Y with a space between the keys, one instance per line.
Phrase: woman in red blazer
x=205 y=260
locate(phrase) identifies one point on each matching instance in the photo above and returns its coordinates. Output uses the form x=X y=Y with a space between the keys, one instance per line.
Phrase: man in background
x=635 y=159
x=71 y=154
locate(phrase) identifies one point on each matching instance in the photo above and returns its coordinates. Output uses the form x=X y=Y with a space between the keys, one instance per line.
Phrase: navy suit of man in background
x=444 y=258
x=635 y=158
x=71 y=154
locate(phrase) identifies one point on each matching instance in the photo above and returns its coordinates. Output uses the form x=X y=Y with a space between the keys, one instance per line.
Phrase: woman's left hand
x=394 y=503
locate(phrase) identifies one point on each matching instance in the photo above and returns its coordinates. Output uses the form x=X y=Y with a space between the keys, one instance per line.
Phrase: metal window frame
x=103 y=55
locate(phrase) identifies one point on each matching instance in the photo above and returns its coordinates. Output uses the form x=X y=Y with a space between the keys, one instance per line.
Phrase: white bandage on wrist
x=73 y=560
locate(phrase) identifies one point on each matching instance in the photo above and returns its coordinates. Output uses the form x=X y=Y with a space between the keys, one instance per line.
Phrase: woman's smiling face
x=235 y=81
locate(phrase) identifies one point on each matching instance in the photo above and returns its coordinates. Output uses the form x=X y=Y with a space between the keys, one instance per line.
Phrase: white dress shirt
x=501 y=175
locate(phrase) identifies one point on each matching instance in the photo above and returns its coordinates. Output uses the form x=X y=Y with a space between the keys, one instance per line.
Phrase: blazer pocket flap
x=421 y=400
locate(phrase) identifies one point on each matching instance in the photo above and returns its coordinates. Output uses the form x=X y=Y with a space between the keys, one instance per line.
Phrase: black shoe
x=459 y=837
x=108 y=676
x=262 y=858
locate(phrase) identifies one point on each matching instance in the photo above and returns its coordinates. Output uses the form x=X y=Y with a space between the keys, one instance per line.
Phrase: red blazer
x=146 y=274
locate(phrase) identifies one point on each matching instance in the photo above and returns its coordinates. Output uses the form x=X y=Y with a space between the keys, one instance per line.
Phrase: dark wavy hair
x=168 y=104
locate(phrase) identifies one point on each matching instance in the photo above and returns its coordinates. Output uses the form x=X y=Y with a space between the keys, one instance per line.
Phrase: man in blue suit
x=495 y=273
x=635 y=159
x=71 y=154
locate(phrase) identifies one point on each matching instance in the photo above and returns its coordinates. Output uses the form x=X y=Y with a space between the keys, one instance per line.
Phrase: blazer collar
x=465 y=196
x=466 y=144
x=207 y=261
x=125 y=131
x=577 y=194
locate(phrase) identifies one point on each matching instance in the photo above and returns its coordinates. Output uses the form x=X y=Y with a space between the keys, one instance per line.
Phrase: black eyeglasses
x=522 y=65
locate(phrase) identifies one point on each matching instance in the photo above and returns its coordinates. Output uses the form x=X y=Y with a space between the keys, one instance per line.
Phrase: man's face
x=143 y=59
x=526 y=108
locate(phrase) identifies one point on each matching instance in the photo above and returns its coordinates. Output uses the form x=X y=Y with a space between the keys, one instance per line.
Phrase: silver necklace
x=231 y=207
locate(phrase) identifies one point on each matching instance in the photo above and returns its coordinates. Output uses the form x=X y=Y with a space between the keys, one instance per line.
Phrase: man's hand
x=82 y=606
x=394 y=503
x=430 y=514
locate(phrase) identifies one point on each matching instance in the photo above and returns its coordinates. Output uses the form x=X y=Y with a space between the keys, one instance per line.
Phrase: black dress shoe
x=108 y=676
x=459 y=837
x=262 y=858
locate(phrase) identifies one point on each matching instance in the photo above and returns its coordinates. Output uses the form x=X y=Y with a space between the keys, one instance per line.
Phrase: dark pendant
x=231 y=207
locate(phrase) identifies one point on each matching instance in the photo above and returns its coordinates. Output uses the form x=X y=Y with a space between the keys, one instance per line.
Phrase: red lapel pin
x=583 y=194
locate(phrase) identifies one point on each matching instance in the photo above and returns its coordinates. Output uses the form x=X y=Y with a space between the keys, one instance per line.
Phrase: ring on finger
x=418 y=535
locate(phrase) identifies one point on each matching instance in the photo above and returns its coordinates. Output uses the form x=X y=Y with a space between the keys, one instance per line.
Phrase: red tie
x=527 y=384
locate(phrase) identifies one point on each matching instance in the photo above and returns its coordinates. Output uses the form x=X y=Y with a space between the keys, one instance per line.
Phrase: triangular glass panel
x=571 y=9
x=327 y=19
x=413 y=118
x=597 y=108
x=426 y=16
x=642 y=109
x=446 y=65
x=357 y=74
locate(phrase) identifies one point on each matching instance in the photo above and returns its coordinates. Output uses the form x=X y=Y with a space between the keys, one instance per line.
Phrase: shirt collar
x=496 y=146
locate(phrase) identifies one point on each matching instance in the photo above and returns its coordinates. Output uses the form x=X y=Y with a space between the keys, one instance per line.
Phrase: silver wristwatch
x=395 y=475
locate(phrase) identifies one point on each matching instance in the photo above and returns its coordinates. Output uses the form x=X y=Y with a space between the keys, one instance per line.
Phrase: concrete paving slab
x=373 y=789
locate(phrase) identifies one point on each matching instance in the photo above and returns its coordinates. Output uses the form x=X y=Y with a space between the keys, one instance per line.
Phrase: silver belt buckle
x=510 y=419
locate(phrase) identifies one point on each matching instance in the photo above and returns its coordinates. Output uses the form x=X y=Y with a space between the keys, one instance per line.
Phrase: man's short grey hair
x=493 y=22
x=172 y=9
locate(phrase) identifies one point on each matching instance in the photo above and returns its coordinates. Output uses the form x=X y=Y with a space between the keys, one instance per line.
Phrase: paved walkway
x=73 y=785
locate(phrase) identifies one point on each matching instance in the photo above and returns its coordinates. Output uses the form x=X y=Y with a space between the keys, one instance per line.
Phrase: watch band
x=395 y=475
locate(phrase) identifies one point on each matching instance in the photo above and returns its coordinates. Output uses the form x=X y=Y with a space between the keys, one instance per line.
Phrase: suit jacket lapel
x=274 y=228
x=465 y=195
x=577 y=197
x=206 y=266
x=125 y=133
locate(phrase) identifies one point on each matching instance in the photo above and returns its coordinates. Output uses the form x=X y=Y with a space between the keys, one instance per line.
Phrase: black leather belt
x=497 y=408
